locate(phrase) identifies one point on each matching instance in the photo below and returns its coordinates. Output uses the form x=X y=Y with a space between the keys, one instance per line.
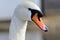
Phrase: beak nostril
x=38 y=18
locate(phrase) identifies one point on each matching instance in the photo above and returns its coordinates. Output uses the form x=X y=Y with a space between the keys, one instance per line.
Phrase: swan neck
x=17 y=29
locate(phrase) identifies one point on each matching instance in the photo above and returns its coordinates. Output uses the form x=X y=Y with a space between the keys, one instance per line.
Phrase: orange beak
x=39 y=23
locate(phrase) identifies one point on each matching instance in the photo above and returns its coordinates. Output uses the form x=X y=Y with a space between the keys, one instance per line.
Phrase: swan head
x=31 y=12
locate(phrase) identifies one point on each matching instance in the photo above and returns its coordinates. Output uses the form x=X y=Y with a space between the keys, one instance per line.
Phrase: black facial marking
x=33 y=11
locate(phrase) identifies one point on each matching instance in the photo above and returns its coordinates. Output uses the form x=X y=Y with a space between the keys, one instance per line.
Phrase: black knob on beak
x=33 y=11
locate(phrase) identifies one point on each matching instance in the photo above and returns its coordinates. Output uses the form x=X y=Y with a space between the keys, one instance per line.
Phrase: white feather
x=20 y=19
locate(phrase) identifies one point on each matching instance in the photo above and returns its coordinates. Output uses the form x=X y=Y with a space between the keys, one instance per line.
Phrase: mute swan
x=24 y=12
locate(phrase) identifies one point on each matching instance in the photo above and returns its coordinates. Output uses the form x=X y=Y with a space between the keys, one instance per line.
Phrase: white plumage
x=20 y=19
